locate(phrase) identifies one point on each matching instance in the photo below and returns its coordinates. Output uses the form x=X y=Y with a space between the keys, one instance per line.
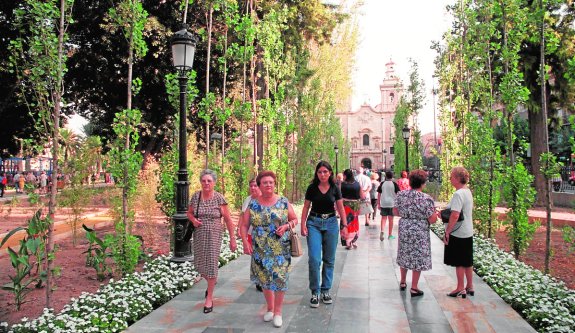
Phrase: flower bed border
x=544 y=301
x=121 y=303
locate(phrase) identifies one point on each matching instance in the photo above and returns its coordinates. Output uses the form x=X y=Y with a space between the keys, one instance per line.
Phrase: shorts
x=388 y=211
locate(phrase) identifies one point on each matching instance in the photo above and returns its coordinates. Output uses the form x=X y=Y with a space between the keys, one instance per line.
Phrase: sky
x=398 y=30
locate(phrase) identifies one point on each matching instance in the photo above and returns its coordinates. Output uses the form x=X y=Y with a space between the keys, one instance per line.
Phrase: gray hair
x=210 y=173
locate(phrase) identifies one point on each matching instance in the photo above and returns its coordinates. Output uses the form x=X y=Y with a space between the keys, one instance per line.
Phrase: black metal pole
x=182 y=227
x=336 y=169
x=406 y=156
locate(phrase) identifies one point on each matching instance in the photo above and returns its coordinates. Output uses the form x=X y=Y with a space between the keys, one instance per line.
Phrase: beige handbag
x=296 y=249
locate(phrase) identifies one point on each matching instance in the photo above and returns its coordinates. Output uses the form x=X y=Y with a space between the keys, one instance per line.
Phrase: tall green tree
x=38 y=57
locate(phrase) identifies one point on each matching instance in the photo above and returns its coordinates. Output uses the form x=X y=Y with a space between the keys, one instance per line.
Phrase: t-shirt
x=350 y=191
x=364 y=184
x=373 y=191
x=322 y=203
x=388 y=190
x=462 y=202
x=403 y=184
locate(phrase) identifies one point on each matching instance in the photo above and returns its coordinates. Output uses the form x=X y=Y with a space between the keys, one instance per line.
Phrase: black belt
x=322 y=216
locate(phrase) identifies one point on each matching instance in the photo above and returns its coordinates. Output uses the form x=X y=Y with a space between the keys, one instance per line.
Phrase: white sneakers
x=278 y=321
x=268 y=316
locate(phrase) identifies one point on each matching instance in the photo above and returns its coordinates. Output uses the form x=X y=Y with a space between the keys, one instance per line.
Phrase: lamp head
x=183 y=49
x=405 y=132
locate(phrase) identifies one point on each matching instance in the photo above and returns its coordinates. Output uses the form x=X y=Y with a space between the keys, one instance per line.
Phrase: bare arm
x=230 y=225
x=190 y=213
x=244 y=226
x=304 y=212
x=452 y=221
x=341 y=210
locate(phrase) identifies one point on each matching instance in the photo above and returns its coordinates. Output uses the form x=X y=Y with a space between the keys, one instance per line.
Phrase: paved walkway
x=366 y=299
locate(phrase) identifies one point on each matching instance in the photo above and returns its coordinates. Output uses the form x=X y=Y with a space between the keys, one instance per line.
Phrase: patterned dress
x=271 y=255
x=208 y=237
x=414 y=251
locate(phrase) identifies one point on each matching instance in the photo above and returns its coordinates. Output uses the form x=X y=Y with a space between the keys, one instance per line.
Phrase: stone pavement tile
x=337 y=325
x=431 y=328
x=423 y=311
x=307 y=319
x=387 y=315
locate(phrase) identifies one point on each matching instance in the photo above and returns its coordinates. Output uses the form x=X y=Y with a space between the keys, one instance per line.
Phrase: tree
x=38 y=58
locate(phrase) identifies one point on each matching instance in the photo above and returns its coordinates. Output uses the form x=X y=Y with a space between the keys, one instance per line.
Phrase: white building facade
x=369 y=130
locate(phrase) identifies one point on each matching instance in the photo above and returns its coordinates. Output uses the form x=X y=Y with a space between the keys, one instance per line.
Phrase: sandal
x=415 y=292
x=402 y=286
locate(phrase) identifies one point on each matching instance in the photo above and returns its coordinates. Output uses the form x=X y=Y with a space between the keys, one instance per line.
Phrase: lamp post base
x=181 y=260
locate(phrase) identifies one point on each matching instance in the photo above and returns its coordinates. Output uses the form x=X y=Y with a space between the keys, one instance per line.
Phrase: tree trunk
x=209 y=16
x=55 y=136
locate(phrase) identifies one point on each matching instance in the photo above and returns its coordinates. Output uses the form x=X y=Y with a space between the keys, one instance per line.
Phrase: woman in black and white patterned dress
x=417 y=211
x=208 y=231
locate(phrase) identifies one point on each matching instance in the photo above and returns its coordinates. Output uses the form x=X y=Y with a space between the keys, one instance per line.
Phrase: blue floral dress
x=271 y=256
x=414 y=249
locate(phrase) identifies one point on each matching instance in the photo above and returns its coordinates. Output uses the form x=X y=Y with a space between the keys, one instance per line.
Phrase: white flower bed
x=545 y=302
x=118 y=304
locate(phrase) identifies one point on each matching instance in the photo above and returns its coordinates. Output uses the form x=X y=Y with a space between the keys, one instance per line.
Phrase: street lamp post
x=405 y=132
x=336 y=149
x=183 y=48
x=384 y=159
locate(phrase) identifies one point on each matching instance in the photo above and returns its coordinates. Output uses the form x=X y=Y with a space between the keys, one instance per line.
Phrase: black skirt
x=459 y=252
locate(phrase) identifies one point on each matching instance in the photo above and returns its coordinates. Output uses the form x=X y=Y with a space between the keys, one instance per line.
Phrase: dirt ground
x=562 y=265
x=77 y=278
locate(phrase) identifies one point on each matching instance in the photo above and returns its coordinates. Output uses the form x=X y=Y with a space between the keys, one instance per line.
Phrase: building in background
x=369 y=130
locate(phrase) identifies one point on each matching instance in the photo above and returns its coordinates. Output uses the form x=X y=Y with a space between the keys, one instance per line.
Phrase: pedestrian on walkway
x=254 y=194
x=271 y=217
x=387 y=191
x=403 y=182
x=43 y=182
x=459 y=240
x=16 y=182
x=350 y=193
x=365 y=185
x=417 y=211
x=21 y=183
x=3 y=182
x=322 y=197
x=207 y=207
x=373 y=193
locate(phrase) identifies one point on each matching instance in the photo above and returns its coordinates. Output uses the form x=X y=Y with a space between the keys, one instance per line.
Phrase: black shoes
x=415 y=292
x=326 y=298
x=470 y=292
x=402 y=286
x=259 y=288
x=208 y=309
x=314 y=301
x=461 y=293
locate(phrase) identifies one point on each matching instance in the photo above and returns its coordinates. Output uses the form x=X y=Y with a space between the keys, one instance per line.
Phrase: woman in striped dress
x=207 y=207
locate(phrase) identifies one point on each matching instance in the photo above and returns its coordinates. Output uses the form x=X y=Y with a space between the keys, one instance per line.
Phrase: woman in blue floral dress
x=271 y=218
x=417 y=211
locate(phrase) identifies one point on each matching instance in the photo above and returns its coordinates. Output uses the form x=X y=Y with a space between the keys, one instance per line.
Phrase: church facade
x=369 y=130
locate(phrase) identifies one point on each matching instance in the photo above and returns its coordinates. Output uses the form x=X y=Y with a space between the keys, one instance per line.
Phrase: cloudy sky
x=398 y=30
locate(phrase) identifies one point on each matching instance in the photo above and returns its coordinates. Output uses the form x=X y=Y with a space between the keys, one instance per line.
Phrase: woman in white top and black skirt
x=459 y=240
x=322 y=230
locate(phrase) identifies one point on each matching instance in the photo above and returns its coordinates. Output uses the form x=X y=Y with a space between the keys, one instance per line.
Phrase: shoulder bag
x=446 y=214
x=295 y=242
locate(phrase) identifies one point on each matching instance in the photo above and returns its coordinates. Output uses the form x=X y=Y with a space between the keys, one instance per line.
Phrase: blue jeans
x=322 y=240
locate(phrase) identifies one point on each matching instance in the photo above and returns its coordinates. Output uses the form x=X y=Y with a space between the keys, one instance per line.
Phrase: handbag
x=190 y=229
x=295 y=242
x=446 y=214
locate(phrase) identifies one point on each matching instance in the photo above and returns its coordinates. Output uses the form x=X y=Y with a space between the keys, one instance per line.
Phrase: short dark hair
x=388 y=175
x=266 y=173
x=348 y=175
x=417 y=178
